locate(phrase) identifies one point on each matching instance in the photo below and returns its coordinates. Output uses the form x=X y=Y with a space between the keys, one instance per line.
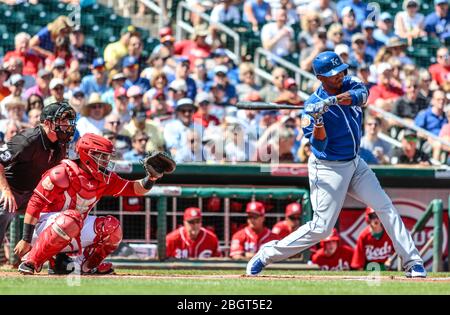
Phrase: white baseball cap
x=55 y=82
x=382 y=67
x=342 y=49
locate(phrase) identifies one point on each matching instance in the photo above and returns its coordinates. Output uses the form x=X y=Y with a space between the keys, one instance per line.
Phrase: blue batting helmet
x=328 y=64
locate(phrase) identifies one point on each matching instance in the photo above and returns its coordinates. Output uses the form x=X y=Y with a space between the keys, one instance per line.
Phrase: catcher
x=57 y=217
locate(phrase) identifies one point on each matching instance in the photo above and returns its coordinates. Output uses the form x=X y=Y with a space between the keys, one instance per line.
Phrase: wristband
x=28 y=230
x=147 y=183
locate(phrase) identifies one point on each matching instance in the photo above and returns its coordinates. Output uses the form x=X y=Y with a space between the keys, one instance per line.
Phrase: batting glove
x=332 y=100
x=316 y=108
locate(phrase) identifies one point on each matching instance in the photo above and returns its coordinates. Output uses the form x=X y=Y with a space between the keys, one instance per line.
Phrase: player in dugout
x=291 y=222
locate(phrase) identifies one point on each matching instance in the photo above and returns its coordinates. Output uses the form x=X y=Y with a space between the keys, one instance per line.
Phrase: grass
x=198 y=284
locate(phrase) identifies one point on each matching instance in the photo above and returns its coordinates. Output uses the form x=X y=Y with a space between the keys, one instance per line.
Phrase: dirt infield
x=12 y=274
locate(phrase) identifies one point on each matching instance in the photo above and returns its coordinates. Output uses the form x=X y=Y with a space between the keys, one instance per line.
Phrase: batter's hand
x=316 y=108
x=8 y=201
x=332 y=100
x=22 y=248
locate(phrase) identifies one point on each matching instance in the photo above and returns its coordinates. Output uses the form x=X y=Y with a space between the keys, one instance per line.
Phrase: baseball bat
x=265 y=106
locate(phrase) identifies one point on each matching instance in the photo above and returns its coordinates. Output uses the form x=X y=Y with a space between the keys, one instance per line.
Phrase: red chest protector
x=84 y=190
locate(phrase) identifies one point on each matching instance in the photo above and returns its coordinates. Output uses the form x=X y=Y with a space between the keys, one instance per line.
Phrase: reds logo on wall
x=352 y=223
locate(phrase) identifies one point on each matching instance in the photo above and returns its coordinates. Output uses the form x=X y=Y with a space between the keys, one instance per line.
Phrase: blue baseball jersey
x=343 y=124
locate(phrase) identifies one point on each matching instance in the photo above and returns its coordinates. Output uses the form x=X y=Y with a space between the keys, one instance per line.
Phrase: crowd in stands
x=180 y=96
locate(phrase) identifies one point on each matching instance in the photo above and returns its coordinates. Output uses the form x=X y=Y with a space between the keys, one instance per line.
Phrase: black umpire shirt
x=27 y=156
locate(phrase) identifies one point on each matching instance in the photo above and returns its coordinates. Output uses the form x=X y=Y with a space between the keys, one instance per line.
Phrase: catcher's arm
x=155 y=165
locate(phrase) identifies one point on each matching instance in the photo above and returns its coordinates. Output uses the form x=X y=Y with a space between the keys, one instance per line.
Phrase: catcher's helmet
x=95 y=153
x=328 y=64
x=369 y=211
x=59 y=113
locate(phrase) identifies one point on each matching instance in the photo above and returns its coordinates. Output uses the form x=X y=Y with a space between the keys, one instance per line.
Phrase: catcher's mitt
x=157 y=164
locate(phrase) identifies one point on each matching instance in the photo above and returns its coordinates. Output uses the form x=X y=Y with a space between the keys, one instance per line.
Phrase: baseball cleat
x=105 y=268
x=26 y=268
x=416 y=271
x=254 y=266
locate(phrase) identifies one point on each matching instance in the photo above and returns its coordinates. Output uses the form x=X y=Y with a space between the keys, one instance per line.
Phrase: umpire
x=28 y=155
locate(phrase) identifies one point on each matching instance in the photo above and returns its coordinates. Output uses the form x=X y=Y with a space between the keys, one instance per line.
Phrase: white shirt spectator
x=220 y=15
x=409 y=22
x=280 y=48
x=88 y=124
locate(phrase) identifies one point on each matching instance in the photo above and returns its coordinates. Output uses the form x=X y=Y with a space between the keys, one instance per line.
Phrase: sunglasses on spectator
x=76 y=82
x=339 y=33
x=37 y=102
x=116 y=122
x=195 y=221
x=100 y=69
x=96 y=106
x=189 y=111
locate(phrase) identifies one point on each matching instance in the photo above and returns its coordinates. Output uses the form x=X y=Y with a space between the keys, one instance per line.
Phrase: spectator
x=444 y=134
x=15 y=108
x=15 y=66
x=62 y=51
x=44 y=41
x=370 y=141
x=200 y=75
x=225 y=12
x=289 y=6
x=182 y=73
x=409 y=152
x=159 y=109
x=292 y=220
x=247 y=78
x=359 y=54
x=159 y=85
x=271 y=91
x=220 y=78
x=440 y=71
x=59 y=69
x=373 y=244
x=349 y=24
x=57 y=89
x=83 y=53
x=304 y=152
x=34 y=102
x=114 y=125
x=195 y=48
x=202 y=115
x=222 y=58
x=385 y=29
x=247 y=241
x=136 y=98
x=372 y=44
x=437 y=23
x=34 y=117
x=410 y=104
x=359 y=7
x=277 y=37
x=433 y=118
x=114 y=52
x=335 y=35
x=115 y=80
x=363 y=73
x=118 y=155
x=397 y=47
x=4 y=76
x=42 y=85
x=139 y=142
x=332 y=255
x=290 y=94
x=139 y=122
x=177 y=90
x=97 y=81
x=135 y=49
x=257 y=13
x=192 y=150
x=16 y=83
x=425 y=84
x=175 y=131
x=327 y=10
x=192 y=240
x=31 y=63
x=237 y=147
x=77 y=100
x=12 y=128
x=94 y=113
x=130 y=67
x=409 y=24
x=307 y=55
x=72 y=82
x=384 y=93
x=120 y=107
x=311 y=21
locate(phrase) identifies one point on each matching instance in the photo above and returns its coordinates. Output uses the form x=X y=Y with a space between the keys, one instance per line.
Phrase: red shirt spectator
x=384 y=89
x=373 y=244
x=332 y=255
x=202 y=115
x=4 y=75
x=196 y=48
x=31 y=63
x=246 y=242
x=192 y=240
x=291 y=223
x=440 y=71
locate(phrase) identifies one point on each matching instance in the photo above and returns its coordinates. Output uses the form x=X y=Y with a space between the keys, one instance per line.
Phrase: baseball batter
x=335 y=169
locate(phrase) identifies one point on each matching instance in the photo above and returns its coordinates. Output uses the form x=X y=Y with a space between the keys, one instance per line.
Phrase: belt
x=346 y=160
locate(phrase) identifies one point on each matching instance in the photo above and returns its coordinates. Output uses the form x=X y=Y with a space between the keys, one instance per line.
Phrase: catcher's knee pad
x=108 y=236
x=55 y=237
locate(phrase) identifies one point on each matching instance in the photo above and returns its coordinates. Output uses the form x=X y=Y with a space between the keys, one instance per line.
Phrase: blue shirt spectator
x=45 y=39
x=256 y=11
x=433 y=118
x=359 y=7
x=438 y=22
x=89 y=85
x=143 y=83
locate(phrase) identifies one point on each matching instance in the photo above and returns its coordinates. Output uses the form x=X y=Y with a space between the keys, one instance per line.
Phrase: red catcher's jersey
x=247 y=241
x=281 y=229
x=82 y=191
x=340 y=260
x=368 y=249
x=179 y=245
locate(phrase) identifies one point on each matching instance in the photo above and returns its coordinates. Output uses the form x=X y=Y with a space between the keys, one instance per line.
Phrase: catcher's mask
x=95 y=153
x=63 y=117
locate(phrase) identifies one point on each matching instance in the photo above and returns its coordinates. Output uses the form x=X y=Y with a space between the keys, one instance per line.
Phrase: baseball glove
x=157 y=164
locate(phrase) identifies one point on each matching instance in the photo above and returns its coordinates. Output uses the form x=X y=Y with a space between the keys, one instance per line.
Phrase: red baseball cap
x=289 y=82
x=293 y=209
x=333 y=237
x=120 y=91
x=165 y=31
x=192 y=213
x=256 y=207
